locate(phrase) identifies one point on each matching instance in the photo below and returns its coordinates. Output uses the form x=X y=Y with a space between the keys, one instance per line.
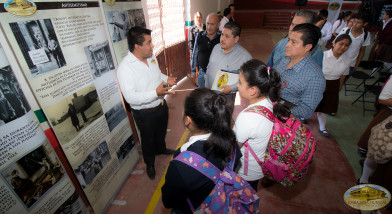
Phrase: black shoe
x=324 y=133
x=168 y=152
x=362 y=152
x=151 y=172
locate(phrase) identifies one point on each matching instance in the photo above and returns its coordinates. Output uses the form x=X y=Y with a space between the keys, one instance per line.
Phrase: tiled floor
x=321 y=191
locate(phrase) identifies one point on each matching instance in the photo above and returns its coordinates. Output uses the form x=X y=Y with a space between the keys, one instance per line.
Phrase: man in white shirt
x=143 y=87
x=225 y=19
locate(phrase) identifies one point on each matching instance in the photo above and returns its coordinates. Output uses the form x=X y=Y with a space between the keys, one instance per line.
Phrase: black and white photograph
x=115 y=115
x=34 y=174
x=72 y=205
x=13 y=103
x=125 y=148
x=137 y=18
x=99 y=58
x=92 y=165
x=39 y=45
x=119 y=24
x=74 y=113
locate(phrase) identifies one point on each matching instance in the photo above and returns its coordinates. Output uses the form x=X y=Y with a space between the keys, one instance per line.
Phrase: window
x=173 y=22
x=154 y=16
x=167 y=26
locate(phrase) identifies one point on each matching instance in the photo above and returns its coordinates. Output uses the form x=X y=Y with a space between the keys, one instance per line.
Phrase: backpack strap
x=200 y=164
x=348 y=31
x=263 y=111
x=270 y=116
x=205 y=167
x=340 y=22
x=364 y=37
x=246 y=162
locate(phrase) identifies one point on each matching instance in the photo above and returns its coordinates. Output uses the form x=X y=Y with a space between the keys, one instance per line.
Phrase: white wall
x=191 y=6
x=205 y=7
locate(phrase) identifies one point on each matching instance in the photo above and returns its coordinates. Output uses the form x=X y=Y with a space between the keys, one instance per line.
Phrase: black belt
x=156 y=108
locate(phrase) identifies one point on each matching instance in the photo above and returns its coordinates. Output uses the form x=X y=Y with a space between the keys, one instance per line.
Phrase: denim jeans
x=201 y=78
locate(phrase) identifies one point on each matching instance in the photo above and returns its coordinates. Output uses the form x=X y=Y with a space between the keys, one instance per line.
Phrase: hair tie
x=268 y=69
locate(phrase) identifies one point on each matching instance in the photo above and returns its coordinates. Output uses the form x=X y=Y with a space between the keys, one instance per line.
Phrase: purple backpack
x=231 y=194
x=290 y=149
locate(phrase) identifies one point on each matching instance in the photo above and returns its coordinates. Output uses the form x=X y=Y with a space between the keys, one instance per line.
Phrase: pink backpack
x=289 y=152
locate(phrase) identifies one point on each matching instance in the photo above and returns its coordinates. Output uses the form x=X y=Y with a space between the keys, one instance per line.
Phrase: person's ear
x=253 y=91
x=137 y=47
x=308 y=47
x=187 y=121
x=236 y=39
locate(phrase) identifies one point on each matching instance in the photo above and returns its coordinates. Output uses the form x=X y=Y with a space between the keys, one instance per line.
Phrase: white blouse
x=386 y=92
x=256 y=129
x=334 y=68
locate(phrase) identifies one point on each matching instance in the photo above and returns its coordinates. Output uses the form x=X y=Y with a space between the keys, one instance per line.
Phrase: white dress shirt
x=326 y=33
x=334 y=68
x=256 y=129
x=138 y=82
x=338 y=25
x=223 y=22
x=356 y=44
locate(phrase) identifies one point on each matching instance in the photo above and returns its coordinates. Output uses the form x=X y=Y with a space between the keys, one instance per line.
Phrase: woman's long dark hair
x=211 y=112
x=267 y=80
x=344 y=15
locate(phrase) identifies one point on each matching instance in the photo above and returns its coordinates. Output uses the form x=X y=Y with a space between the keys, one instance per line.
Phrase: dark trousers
x=253 y=184
x=152 y=126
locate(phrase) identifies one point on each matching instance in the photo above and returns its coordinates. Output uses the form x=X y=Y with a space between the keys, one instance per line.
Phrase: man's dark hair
x=389 y=13
x=361 y=17
x=317 y=19
x=343 y=36
x=309 y=15
x=234 y=27
x=323 y=13
x=226 y=12
x=136 y=36
x=310 y=34
x=231 y=5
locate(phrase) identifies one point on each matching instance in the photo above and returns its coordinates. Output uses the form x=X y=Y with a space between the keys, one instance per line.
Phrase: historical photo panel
x=39 y=45
x=13 y=103
x=74 y=113
x=137 y=18
x=119 y=24
x=93 y=164
x=125 y=148
x=115 y=115
x=99 y=58
x=34 y=174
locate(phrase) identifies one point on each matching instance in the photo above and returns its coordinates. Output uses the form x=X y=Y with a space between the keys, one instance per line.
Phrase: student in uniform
x=207 y=115
x=336 y=67
x=260 y=85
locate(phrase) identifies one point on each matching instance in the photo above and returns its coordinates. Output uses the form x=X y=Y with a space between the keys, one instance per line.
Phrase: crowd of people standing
x=298 y=76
